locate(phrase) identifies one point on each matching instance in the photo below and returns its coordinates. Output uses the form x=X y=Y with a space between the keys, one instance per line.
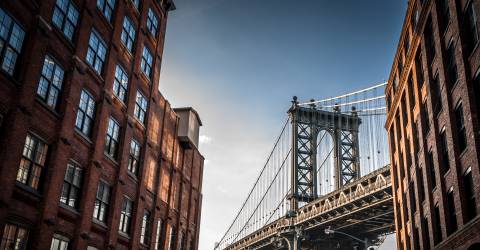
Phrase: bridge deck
x=363 y=208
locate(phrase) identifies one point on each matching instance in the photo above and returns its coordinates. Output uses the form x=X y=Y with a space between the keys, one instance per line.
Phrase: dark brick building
x=433 y=97
x=92 y=156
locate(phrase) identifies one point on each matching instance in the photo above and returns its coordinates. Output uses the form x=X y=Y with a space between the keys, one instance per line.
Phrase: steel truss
x=307 y=123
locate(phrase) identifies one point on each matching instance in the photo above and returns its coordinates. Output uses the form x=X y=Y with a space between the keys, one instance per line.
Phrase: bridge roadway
x=363 y=208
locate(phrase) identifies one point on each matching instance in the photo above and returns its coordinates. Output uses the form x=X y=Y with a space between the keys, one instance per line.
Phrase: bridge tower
x=307 y=123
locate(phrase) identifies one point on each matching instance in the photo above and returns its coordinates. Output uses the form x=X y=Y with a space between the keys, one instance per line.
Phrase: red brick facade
x=433 y=97
x=168 y=181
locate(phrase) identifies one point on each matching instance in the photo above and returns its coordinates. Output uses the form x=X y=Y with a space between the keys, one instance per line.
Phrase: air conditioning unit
x=189 y=126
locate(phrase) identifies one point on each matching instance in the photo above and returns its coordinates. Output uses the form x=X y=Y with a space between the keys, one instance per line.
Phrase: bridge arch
x=325 y=162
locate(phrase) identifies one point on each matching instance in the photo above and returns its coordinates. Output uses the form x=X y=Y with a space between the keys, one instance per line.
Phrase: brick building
x=92 y=155
x=433 y=99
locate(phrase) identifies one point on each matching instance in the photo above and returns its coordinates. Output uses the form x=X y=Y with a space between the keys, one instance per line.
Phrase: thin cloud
x=205 y=139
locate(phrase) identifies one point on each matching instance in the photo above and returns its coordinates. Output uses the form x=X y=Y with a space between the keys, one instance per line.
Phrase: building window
x=11 y=40
x=445 y=164
x=140 y=107
x=469 y=195
x=421 y=190
x=145 y=230
x=126 y=215
x=128 y=33
x=59 y=242
x=431 y=168
x=97 y=51
x=426 y=234
x=411 y=196
x=147 y=62
x=445 y=11
x=419 y=70
x=461 y=130
x=71 y=186
x=106 y=7
x=50 y=83
x=14 y=237
x=111 y=139
x=136 y=3
x=181 y=241
x=426 y=118
x=158 y=235
x=471 y=30
x=437 y=230
x=85 y=113
x=452 y=214
x=152 y=22
x=120 y=83
x=430 y=41
x=134 y=157
x=476 y=88
x=451 y=64
x=102 y=198
x=171 y=238
x=65 y=17
x=33 y=161
x=436 y=95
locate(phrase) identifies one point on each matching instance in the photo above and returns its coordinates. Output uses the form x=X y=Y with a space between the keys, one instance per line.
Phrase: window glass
x=11 y=40
x=32 y=162
x=50 y=83
x=96 y=53
x=85 y=113
x=65 y=17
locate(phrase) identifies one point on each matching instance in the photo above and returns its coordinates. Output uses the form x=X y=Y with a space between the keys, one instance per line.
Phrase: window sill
x=94 y=73
x=124 y=235
x=67 y=42
x=454 y=86
x=100 y=224
x=126 y=51
x=104 y=18
x=69 y=208
x=474 y=50
x=29 y=190
x=83 y=136
x=145 y=78
x=120 y=103
x=109 y=157
x=132 y=176
x=48 y=108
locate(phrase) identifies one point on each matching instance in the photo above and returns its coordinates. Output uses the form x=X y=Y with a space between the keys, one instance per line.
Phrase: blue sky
x=239 y=62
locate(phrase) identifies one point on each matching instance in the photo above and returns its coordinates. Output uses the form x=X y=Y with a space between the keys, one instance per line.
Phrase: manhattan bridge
x=326 y=183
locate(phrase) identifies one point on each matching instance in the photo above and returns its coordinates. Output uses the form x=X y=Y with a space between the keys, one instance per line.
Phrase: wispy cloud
x=205 y=139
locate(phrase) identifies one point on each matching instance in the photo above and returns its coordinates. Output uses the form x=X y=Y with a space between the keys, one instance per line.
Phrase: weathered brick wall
x=161 y=154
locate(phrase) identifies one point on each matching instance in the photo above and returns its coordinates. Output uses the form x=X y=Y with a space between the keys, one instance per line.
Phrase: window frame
x=134 y=157
x=16 y=49
x=104 y=6
x=152 y=26
x=90 y=107
x=31 y=174
x=102 y=204
x=126 y=214
x=94 y=52
x=50 y=82
x=65 y=18
x=461 y=130
x=71 y=186
x=145 y=229
x=120 y=83
x=126 y=36
x=112 y=138
x=16 y=227
x=141 y=107
x=145 y=65
x=62 y=241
